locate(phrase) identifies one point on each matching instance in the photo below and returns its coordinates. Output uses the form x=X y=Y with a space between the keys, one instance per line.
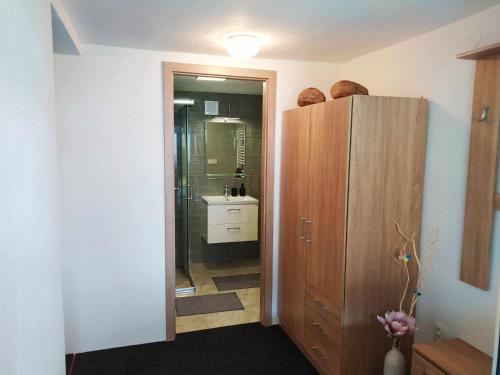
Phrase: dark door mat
x=249 y=280
x=247 y=349
x=210 y=303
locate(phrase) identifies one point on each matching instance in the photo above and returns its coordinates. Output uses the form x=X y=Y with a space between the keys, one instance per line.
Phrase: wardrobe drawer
x=238 y=232
x=232 y=213
x=320 y=328
x=329 y=312
x=322 y=344
x=421 y=366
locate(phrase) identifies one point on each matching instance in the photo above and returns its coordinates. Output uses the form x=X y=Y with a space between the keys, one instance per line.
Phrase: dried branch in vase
x=399 y=323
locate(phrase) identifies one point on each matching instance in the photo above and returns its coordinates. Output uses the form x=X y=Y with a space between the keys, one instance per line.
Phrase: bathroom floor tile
x=202 y=274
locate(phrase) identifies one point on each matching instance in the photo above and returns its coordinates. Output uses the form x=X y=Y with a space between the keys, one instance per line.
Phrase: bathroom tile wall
x=249 y=109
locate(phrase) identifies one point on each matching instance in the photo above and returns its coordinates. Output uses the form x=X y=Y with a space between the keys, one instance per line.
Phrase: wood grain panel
x=323 y=306
x=169 y=183
x=294 y=186
x=481 y=179
x=323 y=348
x=328 y=167
x=385 y=181
x=455 y=357
x=420 y=366
x=267 y=198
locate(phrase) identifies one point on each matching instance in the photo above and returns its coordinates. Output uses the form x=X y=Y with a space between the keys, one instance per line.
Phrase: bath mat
x=249 y=280
x=207 y=304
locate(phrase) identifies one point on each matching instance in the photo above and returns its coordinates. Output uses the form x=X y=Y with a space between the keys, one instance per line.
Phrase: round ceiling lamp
x=242 y=46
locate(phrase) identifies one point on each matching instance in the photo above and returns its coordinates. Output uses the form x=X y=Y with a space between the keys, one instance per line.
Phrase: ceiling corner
x=65 y=38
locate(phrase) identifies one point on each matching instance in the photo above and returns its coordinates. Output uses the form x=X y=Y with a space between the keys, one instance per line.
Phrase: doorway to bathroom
x=220 y=122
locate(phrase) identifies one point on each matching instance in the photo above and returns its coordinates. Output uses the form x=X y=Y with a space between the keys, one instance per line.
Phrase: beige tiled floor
x=201 y=274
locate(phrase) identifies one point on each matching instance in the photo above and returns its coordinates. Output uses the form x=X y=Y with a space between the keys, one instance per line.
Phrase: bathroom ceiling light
x=202 y=78
x=184 y=101
x=227 y=119
x=242 y=46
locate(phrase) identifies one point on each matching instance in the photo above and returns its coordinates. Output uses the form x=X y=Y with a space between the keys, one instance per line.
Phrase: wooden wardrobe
x=348 y=167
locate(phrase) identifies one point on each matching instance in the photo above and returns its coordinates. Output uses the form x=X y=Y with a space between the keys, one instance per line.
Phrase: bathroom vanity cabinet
x=230 y=219
x=349 y=166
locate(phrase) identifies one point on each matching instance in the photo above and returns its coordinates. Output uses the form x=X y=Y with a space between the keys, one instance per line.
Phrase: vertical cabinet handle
x=308 y=231
x=189 y=192
x=302 y=234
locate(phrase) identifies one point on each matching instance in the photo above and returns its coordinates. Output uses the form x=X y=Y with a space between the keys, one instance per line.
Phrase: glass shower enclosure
x=183 y=198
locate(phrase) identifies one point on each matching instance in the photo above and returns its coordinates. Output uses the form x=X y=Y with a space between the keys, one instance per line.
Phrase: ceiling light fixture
x=227 y=119
x=202 y=78
x=242 y=46
x=184 y=101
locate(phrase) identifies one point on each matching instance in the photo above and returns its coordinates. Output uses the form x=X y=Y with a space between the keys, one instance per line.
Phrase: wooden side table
x=449 y=357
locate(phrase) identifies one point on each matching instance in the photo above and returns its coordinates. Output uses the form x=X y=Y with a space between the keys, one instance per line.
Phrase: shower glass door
x=183 y=196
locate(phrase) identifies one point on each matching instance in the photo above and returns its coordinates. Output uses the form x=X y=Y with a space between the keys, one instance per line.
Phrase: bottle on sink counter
x=243 y=191
x=234 y=192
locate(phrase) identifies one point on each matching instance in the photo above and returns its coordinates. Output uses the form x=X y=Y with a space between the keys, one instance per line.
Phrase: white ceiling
x=229 y=86
x=317 y=30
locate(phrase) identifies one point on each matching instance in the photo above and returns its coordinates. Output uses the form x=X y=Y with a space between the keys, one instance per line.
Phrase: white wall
x=110 y=129
x=31 y=322
x=426 y=66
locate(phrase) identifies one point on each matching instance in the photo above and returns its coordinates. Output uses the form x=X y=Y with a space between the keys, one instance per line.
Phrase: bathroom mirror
x=225 y=148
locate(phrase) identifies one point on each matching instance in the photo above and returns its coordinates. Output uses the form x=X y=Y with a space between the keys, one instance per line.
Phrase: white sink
x=220 y=200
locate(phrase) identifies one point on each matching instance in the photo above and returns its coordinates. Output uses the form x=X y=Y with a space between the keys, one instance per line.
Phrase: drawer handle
x=318 y=353
x=233 y=228
x=229 y=210
x=318 y=301
x=320 y=329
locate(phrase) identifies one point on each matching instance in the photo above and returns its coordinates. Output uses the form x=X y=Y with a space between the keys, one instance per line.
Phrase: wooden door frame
x=268 y=78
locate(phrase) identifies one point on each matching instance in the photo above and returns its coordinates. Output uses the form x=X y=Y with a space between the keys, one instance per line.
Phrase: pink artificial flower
x=398 y=323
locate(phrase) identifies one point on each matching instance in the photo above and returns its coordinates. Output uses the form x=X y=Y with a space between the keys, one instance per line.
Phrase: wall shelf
x=480 y=53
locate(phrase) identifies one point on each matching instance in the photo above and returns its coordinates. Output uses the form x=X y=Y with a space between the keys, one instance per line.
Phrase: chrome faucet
x=226 y=192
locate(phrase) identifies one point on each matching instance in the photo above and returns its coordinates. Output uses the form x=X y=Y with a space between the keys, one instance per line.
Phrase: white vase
x=394 y=363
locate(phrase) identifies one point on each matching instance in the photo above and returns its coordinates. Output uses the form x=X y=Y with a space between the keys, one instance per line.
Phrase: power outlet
x=440 y=331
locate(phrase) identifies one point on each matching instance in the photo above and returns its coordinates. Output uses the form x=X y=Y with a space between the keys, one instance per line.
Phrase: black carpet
x=237 y=350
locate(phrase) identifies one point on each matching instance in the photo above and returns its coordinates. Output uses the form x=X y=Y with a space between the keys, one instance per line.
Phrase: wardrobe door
x=385 y=182
x=328 y=170
x=294 y=184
